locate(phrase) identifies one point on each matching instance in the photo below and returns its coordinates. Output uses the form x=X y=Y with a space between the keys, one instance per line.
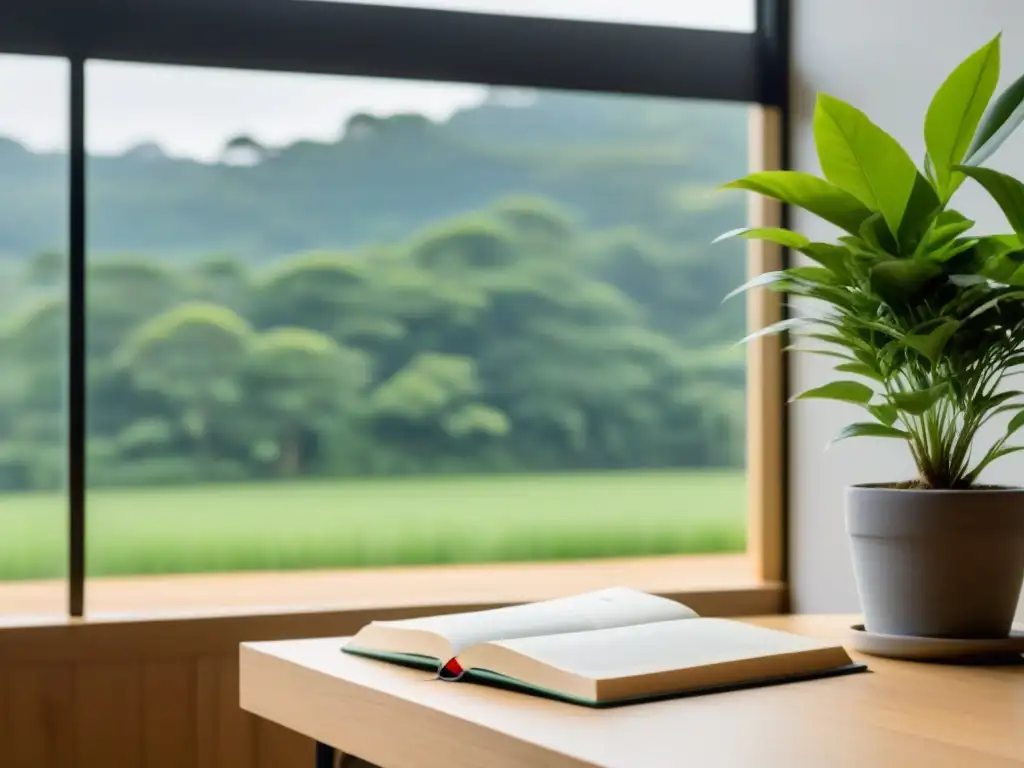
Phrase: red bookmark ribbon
x=451 y=671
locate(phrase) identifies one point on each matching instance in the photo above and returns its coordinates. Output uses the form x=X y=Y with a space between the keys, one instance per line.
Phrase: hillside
x=527 y=285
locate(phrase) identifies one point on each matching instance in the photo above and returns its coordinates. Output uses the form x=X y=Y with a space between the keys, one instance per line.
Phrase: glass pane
x=344 y=323
x=33 y=345
x=730 y=15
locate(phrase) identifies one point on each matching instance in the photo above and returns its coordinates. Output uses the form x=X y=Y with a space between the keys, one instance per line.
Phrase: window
x=33 y=313
x=382 y=284
x=347 y=322
x=733 y=15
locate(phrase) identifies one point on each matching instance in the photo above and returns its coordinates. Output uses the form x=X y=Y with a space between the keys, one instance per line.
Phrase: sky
x=192 y=112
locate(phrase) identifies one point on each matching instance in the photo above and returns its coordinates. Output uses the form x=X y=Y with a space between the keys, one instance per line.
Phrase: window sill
x=222 y=609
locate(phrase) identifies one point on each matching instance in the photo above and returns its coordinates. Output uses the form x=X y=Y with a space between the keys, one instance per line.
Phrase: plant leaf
x=844 y=391
x=858 y=156
x=922 y=207
x=885 y=413
x=1015 y=424
x=772 y=234
x=991 y=456
x=956 y=110
x=900 y=281
x=954 y=249
x=1005 y=190
x=869 y=429
x=1000 y=121
x=992 y=303
x=949 y=225
x=860 y=369
x=780 y=327
x=876 y=234
x=918 y=401
x=832 y=257
x=931 y=344
x=818 y=196
x=760 y=281
x=1002 y=397
x=812 y=274
x=1007 y=451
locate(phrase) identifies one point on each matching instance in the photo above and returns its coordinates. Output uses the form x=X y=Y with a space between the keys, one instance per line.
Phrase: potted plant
x=925 y=322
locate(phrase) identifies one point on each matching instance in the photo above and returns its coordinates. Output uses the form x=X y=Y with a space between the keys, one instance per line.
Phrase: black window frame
x=309 y=36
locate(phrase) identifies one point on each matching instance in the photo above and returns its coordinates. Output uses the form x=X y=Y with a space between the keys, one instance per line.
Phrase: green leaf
x=780 y=327
x=1005 y=190
x=806 y=191
x=870 y=429
x=876 y=234
x=763 y=280
x=860 y=369
x=1000 y=121
x=772 y=234
x=885 y=413
x=954 y=249
x=920 y=401
x=900 y=281
x=1015 y=424
x=1007 y=451
x=956 y=110
x=991 y=456
x=812 y=275
x=858 y=156
x=922 y=207
x=844 y=391
x=931 y=344
x=1002 y=397
x=832 y=257
x=993 y=303
x=949 y=225
x=992 y=253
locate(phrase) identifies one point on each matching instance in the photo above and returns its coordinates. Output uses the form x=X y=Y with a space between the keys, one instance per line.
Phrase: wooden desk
x=901 y=715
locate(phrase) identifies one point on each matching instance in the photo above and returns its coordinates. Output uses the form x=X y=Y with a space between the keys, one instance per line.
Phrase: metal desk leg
x=325 y=755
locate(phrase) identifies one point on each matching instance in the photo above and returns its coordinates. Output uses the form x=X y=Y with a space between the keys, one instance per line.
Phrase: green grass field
x=339 y=524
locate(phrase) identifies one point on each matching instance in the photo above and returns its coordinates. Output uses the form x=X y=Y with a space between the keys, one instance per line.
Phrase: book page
x=655 y=648
x=617 y=607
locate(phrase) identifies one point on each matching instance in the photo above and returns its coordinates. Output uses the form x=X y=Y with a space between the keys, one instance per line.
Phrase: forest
x=515 y=289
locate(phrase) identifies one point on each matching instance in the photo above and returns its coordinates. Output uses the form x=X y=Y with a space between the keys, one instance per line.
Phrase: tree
x=466 y=243
x=332 y=293
x=300 y=388
x=222 y=279
x=435 y=403
x=32 y=395
x=192 y=357
x=243 y=150
x=122 y=293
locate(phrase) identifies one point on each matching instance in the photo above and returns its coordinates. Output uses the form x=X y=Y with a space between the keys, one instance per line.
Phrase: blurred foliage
x=389 y=303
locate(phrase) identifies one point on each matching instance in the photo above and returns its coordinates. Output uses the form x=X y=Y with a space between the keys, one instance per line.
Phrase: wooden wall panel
x=108 y=714
x=236 y=730
x=5 y=727
x=38 y=706
x=207 y=675
x=169 y=713
x=278 y=747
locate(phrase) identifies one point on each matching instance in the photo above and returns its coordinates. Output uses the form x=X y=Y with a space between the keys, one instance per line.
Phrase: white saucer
x=933 y=648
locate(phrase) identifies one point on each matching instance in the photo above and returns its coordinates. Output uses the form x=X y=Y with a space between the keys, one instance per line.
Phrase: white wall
x=886 y=57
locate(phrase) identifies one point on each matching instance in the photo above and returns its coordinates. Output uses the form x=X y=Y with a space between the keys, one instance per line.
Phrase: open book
x=601 y=648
